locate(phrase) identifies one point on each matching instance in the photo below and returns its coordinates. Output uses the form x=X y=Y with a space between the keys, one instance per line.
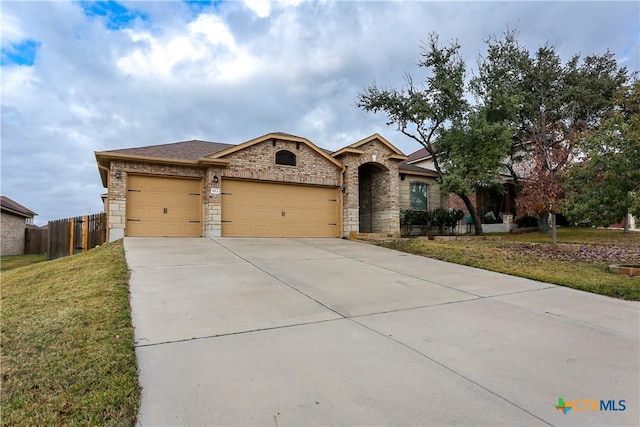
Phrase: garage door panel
x=163 y=206
x=255 y=209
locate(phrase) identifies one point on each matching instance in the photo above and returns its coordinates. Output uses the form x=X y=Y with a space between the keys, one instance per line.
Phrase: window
x=284 y=157
x=419 y=196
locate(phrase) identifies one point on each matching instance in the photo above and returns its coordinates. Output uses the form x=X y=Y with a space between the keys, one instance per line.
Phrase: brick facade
x=257 y=162
x=12 y=234
x=455 y=202
x=371 y=206
x=367 y=172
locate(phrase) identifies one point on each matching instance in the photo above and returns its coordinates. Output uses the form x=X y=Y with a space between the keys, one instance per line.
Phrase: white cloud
x=11 y=30
x=262 y=8
x=206 y=49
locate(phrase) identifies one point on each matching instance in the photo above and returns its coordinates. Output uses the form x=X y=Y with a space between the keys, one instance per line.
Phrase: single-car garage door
x=163 y=207
x=259 y=209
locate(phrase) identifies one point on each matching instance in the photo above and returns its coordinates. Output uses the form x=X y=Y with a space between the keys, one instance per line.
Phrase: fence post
x=71 y=235
x=85 y=233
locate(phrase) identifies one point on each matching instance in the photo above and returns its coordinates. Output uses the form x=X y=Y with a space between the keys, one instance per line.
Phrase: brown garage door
x=258 y=209
x=163 y=207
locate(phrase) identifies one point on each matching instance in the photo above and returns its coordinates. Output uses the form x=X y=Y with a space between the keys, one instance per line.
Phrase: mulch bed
x=583 y=253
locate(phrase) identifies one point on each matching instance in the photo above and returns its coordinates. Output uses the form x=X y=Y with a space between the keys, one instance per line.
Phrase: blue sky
x=79 y=77
x=114 y=15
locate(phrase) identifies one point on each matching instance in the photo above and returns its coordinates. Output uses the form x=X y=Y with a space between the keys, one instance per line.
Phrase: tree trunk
x=554 y=234
x=626 y=223
x=477 y=224
x=543 y=224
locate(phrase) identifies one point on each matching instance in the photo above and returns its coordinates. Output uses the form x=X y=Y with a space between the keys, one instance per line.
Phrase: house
x=497 y=209
x=15 y=218
x=276 y=185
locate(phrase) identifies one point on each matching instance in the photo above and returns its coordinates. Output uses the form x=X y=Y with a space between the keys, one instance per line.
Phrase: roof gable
x=355 y=147
x=272 y=136
x=16 y=208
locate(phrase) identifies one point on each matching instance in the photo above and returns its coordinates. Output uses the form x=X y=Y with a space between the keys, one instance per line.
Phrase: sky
x=79 y=77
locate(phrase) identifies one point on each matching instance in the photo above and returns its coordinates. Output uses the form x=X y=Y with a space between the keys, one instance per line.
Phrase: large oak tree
x=604 y=185
x=531 y=117
x=465 y=148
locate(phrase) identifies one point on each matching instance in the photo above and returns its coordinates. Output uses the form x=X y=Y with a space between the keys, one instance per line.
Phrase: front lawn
x=67 y=342
x=580 y=261
x=10 y=262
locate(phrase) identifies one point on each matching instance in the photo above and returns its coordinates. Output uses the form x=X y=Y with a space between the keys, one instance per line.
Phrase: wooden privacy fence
x=73 y=235
x=35 y=240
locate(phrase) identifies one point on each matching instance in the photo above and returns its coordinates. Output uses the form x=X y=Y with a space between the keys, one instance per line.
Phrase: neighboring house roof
x=16 y=208
x=421 y=154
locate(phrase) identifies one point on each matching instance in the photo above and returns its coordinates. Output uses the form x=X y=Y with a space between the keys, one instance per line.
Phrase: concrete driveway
x=334 y=332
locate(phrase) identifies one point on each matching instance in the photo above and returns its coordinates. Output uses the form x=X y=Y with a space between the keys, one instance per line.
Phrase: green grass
x=10 y=262
x=510 y=256
x=67 y=342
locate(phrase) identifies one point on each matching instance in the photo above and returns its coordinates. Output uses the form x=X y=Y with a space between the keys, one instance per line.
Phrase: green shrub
x=439 y=219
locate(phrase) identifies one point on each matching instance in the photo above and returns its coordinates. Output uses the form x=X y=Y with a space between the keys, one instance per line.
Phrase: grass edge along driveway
x=510 y=256
x=67 y=342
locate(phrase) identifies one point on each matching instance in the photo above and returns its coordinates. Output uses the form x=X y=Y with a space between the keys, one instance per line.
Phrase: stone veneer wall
x=386 y=218
x=12 y=234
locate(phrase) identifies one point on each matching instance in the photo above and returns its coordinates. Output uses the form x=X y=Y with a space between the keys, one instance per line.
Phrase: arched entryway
x=373 y=197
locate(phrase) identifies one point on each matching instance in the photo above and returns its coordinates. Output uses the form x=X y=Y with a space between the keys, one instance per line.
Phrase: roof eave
x=104 y=160
x=15 y=212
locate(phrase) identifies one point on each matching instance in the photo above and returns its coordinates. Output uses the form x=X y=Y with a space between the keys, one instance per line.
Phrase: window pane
x=419 y=196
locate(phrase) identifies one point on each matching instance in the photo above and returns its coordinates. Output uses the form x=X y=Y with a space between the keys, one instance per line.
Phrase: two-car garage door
x=260 y=209
x=172 y=207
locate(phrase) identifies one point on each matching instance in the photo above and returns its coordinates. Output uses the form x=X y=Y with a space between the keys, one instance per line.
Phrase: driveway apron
x=333 y=332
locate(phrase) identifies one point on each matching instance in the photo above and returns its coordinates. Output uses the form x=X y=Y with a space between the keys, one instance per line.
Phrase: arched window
x=284 y=157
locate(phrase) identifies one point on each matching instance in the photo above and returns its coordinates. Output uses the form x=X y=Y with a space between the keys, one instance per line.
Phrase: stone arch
x=373 y=197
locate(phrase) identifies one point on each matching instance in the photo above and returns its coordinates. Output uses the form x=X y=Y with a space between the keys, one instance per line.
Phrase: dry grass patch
x=584 y=266
x=67 y=342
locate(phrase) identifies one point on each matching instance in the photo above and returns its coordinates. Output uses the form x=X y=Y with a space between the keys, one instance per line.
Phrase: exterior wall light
x=215 y=179
x=118 y=174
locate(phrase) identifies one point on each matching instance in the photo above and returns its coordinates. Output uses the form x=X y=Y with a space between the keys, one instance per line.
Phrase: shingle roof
x=405 y=167
x=184 y=150
x=417 y=155
x=15 y=207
